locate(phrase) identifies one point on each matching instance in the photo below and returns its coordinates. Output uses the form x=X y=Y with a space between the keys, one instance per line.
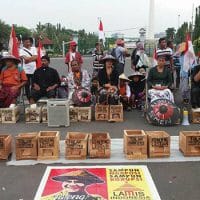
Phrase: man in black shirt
x=45 y=81
x=195 y=89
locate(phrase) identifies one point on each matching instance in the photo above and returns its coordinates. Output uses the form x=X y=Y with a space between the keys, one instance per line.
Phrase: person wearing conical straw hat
x=124 y=92
x=137 y=86
x=12 y=79
x=74 y=185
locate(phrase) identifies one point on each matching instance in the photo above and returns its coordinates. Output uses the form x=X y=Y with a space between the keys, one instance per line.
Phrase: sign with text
x=97 y=183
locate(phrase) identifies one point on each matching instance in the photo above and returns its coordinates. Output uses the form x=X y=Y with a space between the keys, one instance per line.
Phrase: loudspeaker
x=185 y=121
x=58 y=112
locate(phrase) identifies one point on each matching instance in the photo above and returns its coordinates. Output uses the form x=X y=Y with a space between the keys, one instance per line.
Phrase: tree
x=170 y=33
x=181 y=33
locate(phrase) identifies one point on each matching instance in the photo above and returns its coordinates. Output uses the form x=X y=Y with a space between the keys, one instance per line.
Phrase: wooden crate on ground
x=5 y=146
x=48 y=145
x=76 y=145
x=195 y=114
x=116 y=113
x=158 y=144
x=101 y=112
x=10 y=115
x=189 y=143
x=135 y=144
x=99 y=145
x=0 y=116
x=44 y=114
x=84 y=114
x=26 y=146
x=73 y=114
x=33 y=115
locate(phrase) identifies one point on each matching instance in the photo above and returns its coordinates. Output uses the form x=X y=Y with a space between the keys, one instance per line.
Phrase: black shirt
x=195 y=71
x=45 y=77
x=104 y=79
x=137 y=87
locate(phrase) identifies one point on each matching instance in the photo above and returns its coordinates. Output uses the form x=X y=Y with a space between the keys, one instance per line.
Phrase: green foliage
x=170 y=33
x=181 y=33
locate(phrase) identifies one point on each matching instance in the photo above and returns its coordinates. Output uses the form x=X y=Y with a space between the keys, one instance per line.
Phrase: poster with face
x=97 y=183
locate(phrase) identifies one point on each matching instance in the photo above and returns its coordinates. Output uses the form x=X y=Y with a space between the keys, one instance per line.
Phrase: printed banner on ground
x=97 y=183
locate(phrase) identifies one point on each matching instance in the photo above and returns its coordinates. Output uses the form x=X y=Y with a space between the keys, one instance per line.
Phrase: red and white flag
x=13 y=44
x=39 y=55
x=154 y=61
x=101 y=33
x=189 y=55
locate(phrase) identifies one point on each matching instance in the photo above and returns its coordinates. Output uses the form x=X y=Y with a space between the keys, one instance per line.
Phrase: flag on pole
x=101 y=33
x=13 y=44
x=189 y=55
x=39 y=55
x=154 y=61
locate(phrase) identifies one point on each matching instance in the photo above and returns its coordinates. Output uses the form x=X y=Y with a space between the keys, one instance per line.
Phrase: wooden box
x=44 y=114
x=116 y=113
x=0 y=116
x=48 y=145
x=26 y=146
x=158 y=144
x=73 y=114
x=135 y=144
x=101 y=112
x=84 y=114
x=76 y=145
x=5 y=146
x=33 y=115
x=10 y=115
x=195 y=116
x=99 y=145
x=189 y=143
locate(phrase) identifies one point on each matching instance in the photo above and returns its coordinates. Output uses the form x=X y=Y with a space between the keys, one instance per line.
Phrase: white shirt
x=29 y=68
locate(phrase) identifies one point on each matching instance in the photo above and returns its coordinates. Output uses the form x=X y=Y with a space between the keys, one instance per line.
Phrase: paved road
x=174 y=181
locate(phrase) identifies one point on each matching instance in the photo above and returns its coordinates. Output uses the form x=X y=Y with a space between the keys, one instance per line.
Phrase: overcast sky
x=83 y=14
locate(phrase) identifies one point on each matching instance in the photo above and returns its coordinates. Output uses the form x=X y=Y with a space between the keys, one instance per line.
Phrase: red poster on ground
x=97 y=183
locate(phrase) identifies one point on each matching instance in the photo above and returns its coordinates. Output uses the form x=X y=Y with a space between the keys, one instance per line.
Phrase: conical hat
x=123 y=76
x=82 y=176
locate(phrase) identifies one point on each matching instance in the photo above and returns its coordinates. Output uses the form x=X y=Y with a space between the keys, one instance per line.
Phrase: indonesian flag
x=154 y=62
x=189 y=56
x=39 y=55
x=13 y=44
x=101 y=33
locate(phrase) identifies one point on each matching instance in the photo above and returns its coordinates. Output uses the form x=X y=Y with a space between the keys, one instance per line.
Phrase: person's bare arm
x=197 y=77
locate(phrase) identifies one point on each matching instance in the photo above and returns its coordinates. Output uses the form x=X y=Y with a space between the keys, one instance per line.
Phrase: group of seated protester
x=111 y=88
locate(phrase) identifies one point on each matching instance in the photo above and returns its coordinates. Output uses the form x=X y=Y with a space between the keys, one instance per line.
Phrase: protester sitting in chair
x=195 y=89
x=124 y=92
x=78 y=78
x=12 y=79
x=108 y=81
x=137 y=85
x=159 y=81
x=45 y=81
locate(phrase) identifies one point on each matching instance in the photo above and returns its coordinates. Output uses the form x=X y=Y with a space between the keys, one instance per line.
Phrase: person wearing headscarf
x=108 y=81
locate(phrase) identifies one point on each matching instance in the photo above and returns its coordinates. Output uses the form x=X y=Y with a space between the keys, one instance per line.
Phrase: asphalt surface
x=174 y=181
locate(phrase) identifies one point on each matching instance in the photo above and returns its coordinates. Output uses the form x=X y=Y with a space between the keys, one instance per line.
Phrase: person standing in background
x=28 y=53
x=72 y=54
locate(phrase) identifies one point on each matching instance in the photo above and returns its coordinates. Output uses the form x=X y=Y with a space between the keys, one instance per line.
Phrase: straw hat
x=79 y=175
x=108 y=57
x=123 y=77
x=11 y=57
x=136 y=74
